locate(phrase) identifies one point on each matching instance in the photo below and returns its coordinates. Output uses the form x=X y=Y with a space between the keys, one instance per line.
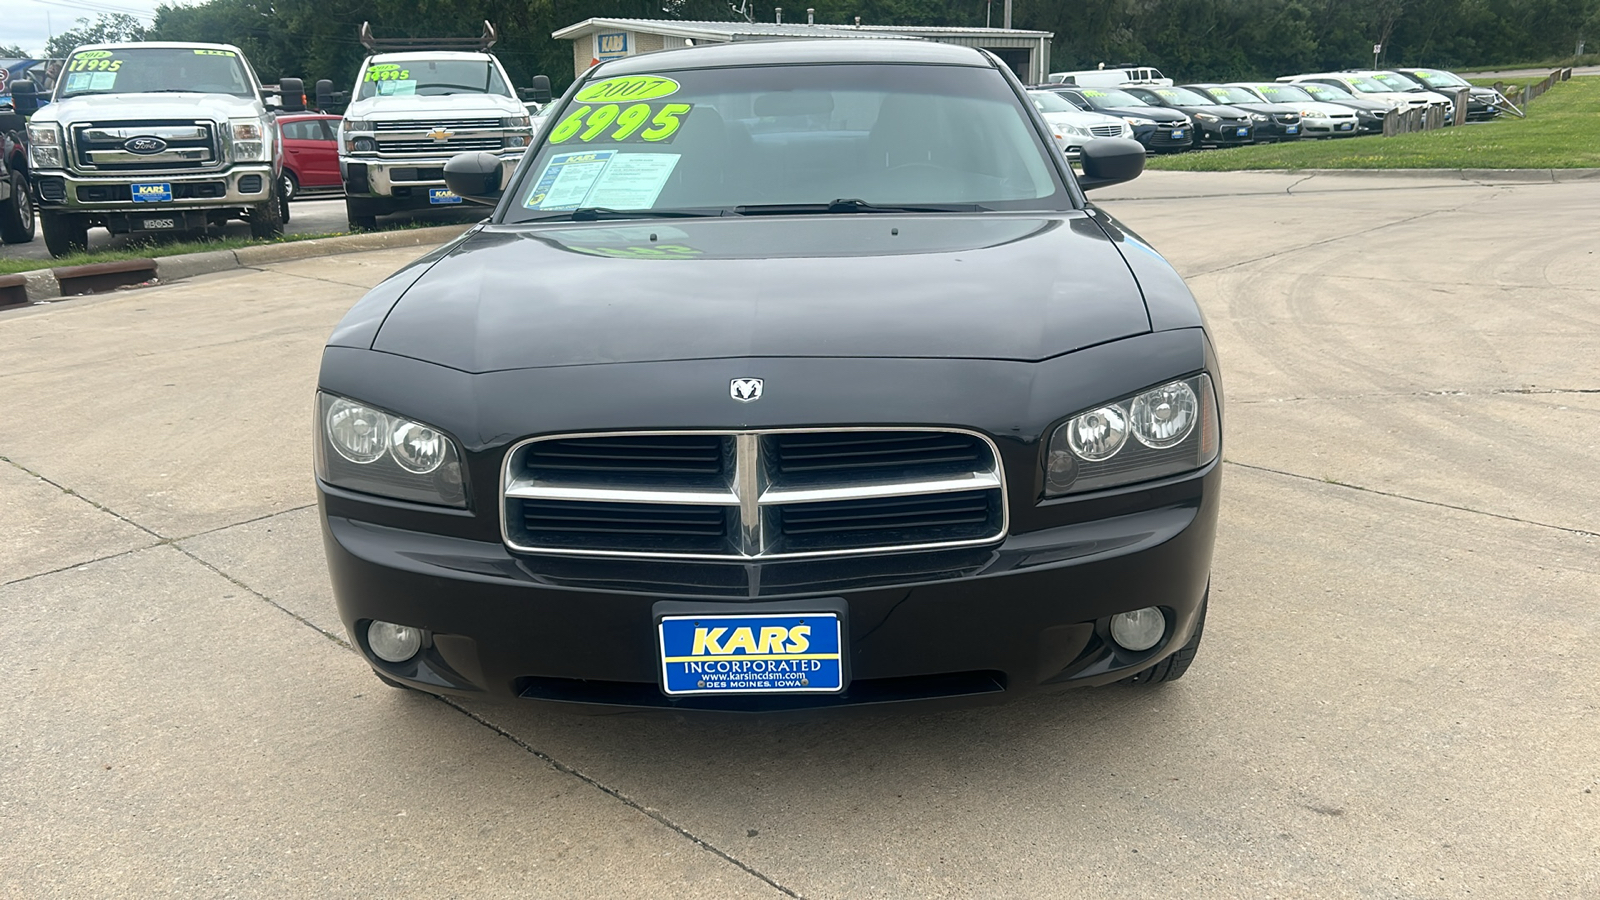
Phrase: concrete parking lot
x=1397 y=695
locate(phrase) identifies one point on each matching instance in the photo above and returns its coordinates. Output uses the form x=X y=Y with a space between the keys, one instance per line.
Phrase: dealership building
x=593 y=40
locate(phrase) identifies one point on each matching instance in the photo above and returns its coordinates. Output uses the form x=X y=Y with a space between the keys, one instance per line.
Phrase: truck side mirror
x=1108 y=161
x=540 y=91
x=324 y=93
x=292 y=91
x=24 y=97
x=474 y=177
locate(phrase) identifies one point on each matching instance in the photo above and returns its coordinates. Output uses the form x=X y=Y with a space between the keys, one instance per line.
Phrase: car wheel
x=64 y=233
x=16 y=216
x=1173 y=667
x=289 y=184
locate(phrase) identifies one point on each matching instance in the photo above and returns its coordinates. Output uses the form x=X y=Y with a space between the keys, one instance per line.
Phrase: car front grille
x=753 y=495
x=1105 y=130
x=422 y=137
x=184 y=145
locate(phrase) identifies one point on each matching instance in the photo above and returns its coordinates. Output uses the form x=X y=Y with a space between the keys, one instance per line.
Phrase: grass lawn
x=143 y=251
x=1562 y=131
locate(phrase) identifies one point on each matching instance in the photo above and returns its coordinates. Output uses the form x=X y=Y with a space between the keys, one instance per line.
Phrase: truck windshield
x=790 y=139
x=432 y=78
x=138 y=70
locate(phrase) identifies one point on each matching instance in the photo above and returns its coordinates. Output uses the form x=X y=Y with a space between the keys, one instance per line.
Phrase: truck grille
x=415 y=137
x=753 y=495
x=186 y=145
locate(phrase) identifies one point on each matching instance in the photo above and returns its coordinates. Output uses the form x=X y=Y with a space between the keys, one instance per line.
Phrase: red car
x=310 y=153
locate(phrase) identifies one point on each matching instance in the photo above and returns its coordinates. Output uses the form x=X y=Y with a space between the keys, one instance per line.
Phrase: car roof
x=160 y=45
x=424 y=55
x=816 y=50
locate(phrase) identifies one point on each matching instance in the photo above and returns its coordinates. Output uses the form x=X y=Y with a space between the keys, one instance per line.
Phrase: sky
x=29 y=23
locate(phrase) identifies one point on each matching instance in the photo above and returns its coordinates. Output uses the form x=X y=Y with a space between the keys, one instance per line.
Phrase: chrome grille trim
x=192 y=146
x=750 y=493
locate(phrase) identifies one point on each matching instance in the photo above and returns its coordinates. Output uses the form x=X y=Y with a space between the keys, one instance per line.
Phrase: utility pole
x=1376 y=49
x=1008 y=15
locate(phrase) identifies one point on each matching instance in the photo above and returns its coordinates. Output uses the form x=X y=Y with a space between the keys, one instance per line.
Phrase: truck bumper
x=237 y=186
x=397 y=184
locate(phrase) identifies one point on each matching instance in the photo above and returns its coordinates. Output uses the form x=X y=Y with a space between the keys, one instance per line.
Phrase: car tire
x=64 y=233
x=360 y=215
x=363 y=223
x=289 y=184
x=1173 y=667
x=16 y=215
x=266 y=219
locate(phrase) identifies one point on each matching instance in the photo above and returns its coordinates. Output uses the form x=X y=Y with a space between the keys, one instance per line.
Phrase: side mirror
x=24 y=97
x=474 y=177
x=1108 y=161
x=540 y=91
x=324 y=93
x=292 y=91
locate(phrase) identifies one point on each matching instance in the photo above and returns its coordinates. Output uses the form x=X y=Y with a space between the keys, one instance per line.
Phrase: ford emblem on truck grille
x=144 y=145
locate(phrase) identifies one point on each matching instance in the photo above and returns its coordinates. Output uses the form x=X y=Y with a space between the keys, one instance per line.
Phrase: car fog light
x=1138 y=630
x=394 y=643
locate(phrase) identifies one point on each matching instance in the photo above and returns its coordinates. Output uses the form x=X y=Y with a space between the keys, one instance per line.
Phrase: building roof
x=733 y=31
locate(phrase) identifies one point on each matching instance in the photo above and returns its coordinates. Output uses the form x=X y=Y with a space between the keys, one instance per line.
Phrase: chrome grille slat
x=426 y=125
x=192 y=145
x=753 y=495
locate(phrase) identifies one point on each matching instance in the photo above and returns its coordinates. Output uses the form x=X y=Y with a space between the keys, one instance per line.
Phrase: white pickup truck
x=157 y=137
x=413 y=109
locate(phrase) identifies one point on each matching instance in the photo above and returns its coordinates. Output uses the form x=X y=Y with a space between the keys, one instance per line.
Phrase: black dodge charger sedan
x=783 y=375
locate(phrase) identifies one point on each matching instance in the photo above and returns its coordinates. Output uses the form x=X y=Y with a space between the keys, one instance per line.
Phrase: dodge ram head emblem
x=745 y=389
x=144 y=145
x=441 y=134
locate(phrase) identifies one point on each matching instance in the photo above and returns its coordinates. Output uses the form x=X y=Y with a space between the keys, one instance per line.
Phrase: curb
x=1516 y=176
x=45 y=284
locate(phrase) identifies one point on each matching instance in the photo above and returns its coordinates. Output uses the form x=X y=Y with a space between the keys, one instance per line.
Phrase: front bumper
x=231 y=188
x=967 y=625
x=1329 y=126
x=1164 y=137
x=1226 y=133
x=405 y=180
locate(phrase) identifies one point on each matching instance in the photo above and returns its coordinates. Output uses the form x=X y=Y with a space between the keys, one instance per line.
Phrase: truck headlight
x=349 y=128
x=45 y=150
x=250 y=140
x=365 y=449
x=1165 y=430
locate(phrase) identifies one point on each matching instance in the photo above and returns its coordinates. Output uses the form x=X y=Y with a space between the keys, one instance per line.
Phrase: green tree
x=107 y=28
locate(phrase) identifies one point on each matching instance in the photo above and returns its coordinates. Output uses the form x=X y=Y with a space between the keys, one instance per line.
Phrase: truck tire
x=266 y=219
x=16 y=214
x=361 y=217
x=64 y=233
x=1173 y=667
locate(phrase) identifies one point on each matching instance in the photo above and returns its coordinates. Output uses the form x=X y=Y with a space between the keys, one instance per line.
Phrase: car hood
x=446 y=106
x=108 y=107
x=1153 y=113
x=996 y=286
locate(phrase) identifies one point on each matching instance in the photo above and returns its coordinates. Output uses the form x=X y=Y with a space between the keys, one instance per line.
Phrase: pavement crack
x=337 y=639
x=1366 y=490
x=72 y=493
x=79 y=565
x=261 y=518
x=1290 y=188
x=622 y=798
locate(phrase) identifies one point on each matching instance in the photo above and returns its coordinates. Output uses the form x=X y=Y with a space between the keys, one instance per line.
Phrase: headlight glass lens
x=44 y=147
x=377 y=452
x=1174 y=428
x=249 y=140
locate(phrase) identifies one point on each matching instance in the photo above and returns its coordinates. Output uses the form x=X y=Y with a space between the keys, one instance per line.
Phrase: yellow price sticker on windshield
x=627 y=89
x=614 y=123
x=387 y=72
x=227 y=53
x=94 y=61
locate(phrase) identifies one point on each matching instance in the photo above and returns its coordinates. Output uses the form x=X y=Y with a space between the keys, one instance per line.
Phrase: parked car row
x=1168 y=117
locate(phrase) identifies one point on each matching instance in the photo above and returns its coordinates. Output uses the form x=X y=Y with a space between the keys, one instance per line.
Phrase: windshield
x=1326 y=92
x=137 y=70
x=1436 y=79
x=755 y=139
x=1397 y=83
x=432 y=78
x=1050 y=102
x=1284 y=93
x=1184 y=97
x=1367 y=85
x=1232 y=95
x=1113 y=99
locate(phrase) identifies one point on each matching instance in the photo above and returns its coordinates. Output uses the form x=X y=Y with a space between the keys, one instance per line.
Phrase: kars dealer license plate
x=786 y=653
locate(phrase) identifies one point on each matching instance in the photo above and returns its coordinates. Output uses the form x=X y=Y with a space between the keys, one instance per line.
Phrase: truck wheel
x=64 y=233
x=1173 y=667
x=16 y=216
x=361 y=217
x=266 y=219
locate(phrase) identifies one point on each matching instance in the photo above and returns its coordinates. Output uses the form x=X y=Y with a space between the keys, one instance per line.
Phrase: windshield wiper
x=597 y=213
x=849 y=205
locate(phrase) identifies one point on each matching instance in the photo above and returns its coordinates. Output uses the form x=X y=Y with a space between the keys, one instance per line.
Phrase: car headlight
x=369 y=450
x=250 y=140
x=1313 y=114
x=1135 y=121
x=1078 y=130
x=45 y=150
x=517 y=122
x=1258 y=117
x=347 y=133
x=1161 y=431
x=1205 y=117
